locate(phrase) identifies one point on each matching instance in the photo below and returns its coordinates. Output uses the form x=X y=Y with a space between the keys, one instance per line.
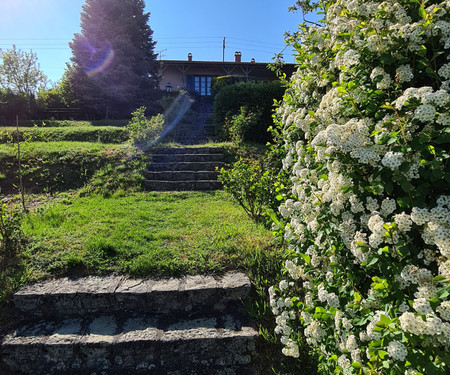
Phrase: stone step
x=183 y=158
x=200 y=185
x=184 y=169
x=69 y=297
x=130 y=345
x=186 y=166
x=187 y=150
x=184 y=175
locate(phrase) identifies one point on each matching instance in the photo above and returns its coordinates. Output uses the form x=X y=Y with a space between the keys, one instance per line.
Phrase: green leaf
x=372 y=261
x=406 y=186
x=306 y=258
x=382 y=354
x=385 y=320
x=392 y=140
x=422 y=12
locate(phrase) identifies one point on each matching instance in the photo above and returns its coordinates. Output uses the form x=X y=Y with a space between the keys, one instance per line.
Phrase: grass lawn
x=143 y=234
x=42 y=149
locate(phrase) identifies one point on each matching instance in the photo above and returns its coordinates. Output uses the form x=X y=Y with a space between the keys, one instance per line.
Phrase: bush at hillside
x=366 y=129
x=255 y=97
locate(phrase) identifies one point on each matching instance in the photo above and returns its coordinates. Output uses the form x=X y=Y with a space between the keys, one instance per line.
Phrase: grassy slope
x=42 y=149
x=143 y=234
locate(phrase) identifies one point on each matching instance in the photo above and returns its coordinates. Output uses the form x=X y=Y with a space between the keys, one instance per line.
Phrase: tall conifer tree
x=114 y=68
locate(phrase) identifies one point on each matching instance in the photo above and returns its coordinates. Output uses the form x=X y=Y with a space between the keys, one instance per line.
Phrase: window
x=202 y=85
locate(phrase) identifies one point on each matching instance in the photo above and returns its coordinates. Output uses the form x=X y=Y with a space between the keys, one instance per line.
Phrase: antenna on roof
x=223 y=52
x=160 y=53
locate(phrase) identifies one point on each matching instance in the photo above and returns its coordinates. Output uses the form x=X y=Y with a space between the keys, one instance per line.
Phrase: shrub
x=241 y=124
x=257 y=97
x=219 y=82
x=366 y=126
x=252 y=184
x=142 y=129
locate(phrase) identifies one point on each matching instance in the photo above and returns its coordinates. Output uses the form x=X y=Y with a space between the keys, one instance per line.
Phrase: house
x=191 y=75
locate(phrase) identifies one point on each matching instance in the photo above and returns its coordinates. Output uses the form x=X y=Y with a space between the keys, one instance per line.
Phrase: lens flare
x=178 y=109
x=100 y=59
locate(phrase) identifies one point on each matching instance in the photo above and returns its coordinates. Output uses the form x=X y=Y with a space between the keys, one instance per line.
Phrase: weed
x=12 y=242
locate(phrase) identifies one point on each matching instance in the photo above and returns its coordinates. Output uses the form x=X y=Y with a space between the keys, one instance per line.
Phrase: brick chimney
x=189 y=56
x=237 y=56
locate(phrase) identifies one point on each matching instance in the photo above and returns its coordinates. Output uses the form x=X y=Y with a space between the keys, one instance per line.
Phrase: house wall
x=177 y=73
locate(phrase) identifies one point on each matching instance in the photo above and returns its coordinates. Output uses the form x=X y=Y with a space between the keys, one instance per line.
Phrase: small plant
x=240 y=124
x=142 y=129
x=247 y=184
x=11 y=236
x=12 y=241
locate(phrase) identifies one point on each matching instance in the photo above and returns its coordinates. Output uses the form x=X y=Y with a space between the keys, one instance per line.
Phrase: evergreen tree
x=114 y=67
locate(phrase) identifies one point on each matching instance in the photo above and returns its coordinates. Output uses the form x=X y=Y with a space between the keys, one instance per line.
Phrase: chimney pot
x=253 y=60
x=237 y=56
x=189 y=56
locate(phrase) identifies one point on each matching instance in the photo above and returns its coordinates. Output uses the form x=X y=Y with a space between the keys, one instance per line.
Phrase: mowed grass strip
x=42 y=149
x=143 y=234
x=103 y=134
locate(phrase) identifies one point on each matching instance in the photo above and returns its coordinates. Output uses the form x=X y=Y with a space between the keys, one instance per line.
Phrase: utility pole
x=223 y=52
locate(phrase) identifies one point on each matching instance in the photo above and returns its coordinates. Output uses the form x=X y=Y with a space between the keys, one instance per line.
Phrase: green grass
x=103 y=134
x=143 y=234
x=69 y=123
x=40 y=149
x=58 y=166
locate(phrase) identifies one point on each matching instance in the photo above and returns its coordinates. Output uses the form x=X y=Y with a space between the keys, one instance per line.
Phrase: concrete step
x=187 y=150
x=186 y=158
x=114 y=325
x=184 y=169
x=69 y=297
x=130 y=345
x=186 y=166
x=200 y=185
x=184 y=175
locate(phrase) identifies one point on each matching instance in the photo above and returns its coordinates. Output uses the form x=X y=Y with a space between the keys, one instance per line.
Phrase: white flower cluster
x=383 y=79
x=392 y=160
x=436 y=223
x=444 y=310
x=331 y=298
x=404 y=73
x=397 y=351
x=431 y=101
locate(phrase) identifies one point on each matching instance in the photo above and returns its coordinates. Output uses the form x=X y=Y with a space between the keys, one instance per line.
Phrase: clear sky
x=254 y=27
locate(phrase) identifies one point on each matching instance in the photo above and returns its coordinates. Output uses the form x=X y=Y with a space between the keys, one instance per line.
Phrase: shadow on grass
x=266 y=269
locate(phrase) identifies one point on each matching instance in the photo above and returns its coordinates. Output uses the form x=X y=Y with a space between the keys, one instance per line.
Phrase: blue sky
x=254 y=27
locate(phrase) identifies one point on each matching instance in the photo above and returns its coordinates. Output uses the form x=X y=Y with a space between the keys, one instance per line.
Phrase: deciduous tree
x=20 y=72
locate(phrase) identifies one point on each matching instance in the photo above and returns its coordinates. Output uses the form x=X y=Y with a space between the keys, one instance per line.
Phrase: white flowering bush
x=366 y=129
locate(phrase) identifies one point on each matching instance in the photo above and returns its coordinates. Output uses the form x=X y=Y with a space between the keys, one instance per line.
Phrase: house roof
x=248 y=66
x=195 y=62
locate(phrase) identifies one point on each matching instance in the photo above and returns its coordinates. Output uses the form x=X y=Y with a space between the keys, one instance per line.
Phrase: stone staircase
x=184 y=169
x=113 y=325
